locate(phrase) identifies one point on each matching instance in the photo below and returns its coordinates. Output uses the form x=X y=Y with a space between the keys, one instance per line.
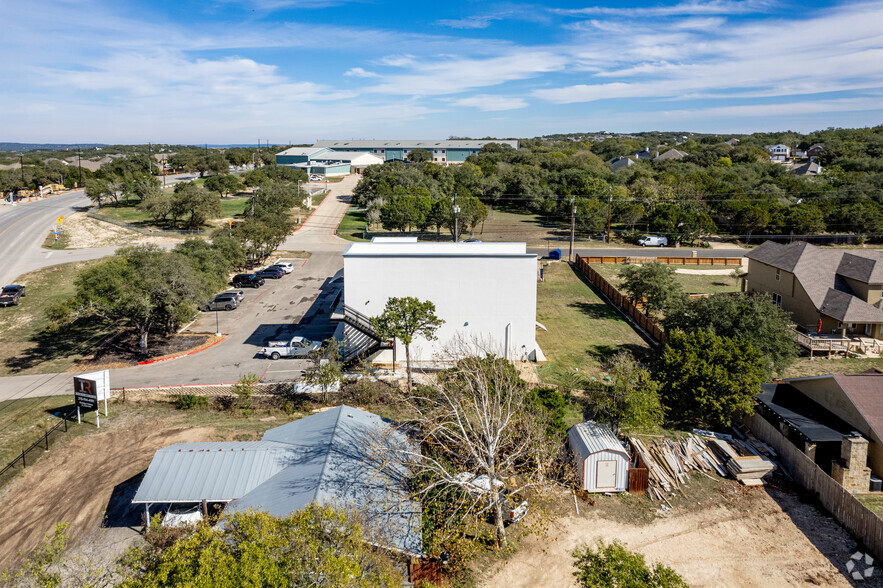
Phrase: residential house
x=815 y=150
x=484 y=292
x=671 y=154
x=779 y=152
x=837 y=420
x=621 y=162
x=732 y=142
x=343 y=456
x=644 y=153
x=825 y=290
x=813 y=168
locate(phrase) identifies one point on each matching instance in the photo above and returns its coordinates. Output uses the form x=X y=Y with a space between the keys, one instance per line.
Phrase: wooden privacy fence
x=621 y=301
x=852 y=514
x=668 y=260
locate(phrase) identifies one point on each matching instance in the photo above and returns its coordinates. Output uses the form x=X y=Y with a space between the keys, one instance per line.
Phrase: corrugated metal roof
x=341 y=456
x=191 y=472
x=590 y=437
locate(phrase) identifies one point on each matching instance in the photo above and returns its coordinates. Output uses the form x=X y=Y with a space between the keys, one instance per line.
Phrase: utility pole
x=609 y=208
x=79 y=167
x=572 y=227
x=149 y=165
x=21 y=165
x=456 y=220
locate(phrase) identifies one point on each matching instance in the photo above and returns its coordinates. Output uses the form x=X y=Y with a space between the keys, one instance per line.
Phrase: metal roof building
x=343 y=456
x=601 y=460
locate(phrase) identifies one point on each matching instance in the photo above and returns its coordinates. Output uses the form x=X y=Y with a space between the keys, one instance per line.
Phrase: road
x=298 y=303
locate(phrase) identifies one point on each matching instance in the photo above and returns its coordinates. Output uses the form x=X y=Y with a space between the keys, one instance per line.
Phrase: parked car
x=472 y=241
x=238 y=293
x=11 y=294
x=270 y=272
x=315 y=178
x=222 y=302
x=479 y=487
x=247 y=281
x=284 y=266
x=180 y=515
x=653 y=241
x=296 y=347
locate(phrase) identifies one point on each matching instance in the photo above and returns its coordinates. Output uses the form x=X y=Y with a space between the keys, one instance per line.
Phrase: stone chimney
x=851 y=471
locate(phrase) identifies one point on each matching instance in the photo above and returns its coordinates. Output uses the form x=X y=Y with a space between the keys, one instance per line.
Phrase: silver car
x=226 y=301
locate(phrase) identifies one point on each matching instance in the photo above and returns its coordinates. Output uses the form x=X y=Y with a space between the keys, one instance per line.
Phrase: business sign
x=86 y=393
x=91 y=388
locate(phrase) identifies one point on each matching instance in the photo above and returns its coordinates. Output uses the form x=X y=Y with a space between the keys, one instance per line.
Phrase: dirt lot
x=85 y=232
x=741 y=537
x=92 y=476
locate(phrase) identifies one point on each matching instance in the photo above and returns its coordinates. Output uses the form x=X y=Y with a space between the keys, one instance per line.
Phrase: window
x=777 y=275
x=777 y=299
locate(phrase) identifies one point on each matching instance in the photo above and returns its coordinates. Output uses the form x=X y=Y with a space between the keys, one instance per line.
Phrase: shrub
x=613 y=566
x=189 y=401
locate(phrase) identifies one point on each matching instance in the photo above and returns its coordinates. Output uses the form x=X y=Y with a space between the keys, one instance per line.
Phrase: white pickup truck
x=296 y=347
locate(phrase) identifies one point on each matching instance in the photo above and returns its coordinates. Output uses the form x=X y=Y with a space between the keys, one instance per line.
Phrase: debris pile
x=669 y=461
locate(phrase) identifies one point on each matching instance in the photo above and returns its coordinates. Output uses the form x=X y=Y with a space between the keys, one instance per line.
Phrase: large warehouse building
x=485 y=292
x=343 y=157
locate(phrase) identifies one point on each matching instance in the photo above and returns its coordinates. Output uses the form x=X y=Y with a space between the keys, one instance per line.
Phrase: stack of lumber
x=750 y=469
x=669 y=462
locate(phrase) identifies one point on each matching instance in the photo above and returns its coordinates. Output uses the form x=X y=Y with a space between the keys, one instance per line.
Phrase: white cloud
x=489 y=102
x=397 y=60
x=689 y=8
x=470 y=22
x=358 y=72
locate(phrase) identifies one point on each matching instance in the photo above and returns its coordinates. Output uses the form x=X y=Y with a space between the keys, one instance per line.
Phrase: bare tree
x=477 y=421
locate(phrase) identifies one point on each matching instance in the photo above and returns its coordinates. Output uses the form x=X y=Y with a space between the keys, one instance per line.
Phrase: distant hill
x=46 y=146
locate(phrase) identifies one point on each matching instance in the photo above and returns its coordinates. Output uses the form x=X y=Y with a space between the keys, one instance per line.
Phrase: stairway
x=360 y=338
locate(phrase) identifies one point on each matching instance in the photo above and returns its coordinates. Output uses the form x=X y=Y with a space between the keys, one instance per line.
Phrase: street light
x=456 y=227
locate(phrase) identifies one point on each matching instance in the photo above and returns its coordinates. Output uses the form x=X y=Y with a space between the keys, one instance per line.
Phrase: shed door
x=606 y=474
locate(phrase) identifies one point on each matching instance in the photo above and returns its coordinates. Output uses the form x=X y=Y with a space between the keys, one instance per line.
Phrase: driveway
x=298 y=303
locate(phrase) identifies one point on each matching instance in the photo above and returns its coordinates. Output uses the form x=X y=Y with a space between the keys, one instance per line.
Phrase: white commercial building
x=485 y=292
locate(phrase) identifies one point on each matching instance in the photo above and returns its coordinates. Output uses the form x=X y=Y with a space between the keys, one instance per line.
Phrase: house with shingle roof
x=825 y=290
x=671 y=154
x=833 y=415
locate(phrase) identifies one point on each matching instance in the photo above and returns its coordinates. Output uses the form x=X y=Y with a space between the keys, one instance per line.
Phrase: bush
x=553 y=405
x=189 y=401
x=613 y=566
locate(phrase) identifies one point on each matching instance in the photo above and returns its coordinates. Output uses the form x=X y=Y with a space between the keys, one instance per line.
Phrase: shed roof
x=590 y=437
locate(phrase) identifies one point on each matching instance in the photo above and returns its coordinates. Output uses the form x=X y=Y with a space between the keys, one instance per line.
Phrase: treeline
x=717 y=188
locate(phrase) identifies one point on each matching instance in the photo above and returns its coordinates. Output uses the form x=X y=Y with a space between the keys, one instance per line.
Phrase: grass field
x=805 y=367
x=691 y=283
x=27 y=348
x=583 y=330
x=52 y=243
x=874 y=503
x=128 y=212
x=352 y=225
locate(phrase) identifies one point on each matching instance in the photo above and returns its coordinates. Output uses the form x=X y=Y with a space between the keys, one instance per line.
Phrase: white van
x=653 y=241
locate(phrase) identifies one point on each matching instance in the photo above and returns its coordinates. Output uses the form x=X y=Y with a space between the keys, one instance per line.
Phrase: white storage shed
x=601 y=460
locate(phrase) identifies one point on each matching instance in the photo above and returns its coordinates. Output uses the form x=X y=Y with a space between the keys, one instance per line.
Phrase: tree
x=223 y=184
x=477 y=419
x=419 y=156
x=213 y=162
x=591 y=214
x=554 y=405
x=654 y=285
x=159 y=206
x=405 y=318
x=98 y=190
x=631 y=400
x=708 y=380
x=195 y=204
x=402 y=212
x=754 y=318
x=613 y=566
x=318 y=545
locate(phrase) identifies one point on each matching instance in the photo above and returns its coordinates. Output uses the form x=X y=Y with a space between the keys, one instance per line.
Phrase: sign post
x=89 y=389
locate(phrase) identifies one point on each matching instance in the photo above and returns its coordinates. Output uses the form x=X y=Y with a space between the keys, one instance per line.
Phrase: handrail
x=360 y=321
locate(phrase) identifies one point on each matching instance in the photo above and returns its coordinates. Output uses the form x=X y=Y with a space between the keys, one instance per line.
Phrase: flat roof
x=302 y=150
x=414 y=144
x=405 y=247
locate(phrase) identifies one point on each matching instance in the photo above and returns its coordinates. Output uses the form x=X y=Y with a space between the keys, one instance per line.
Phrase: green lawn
x=805 y=367
x=27 y=347
x=692 y=284
x=352 y=226
x=231 y=207
x=874 y=503
x=52 y=243
x=583 y=330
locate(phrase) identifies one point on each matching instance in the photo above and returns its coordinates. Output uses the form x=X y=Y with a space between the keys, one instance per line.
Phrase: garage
x=601 y=461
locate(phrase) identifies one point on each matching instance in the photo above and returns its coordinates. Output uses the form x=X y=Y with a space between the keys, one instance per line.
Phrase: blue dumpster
x=555 y=254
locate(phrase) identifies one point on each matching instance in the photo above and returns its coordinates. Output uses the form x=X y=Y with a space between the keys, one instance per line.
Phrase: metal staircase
x=361 y=339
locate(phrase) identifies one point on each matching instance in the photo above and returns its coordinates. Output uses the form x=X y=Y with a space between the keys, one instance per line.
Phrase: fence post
x=46 y=437
x=23 y=464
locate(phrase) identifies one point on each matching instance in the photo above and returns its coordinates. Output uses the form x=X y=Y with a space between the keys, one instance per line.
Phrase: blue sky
x=236 y=71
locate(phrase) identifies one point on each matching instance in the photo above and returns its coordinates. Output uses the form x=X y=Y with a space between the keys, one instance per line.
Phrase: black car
x=270 y=272
x=249 y=280
x=11 y=294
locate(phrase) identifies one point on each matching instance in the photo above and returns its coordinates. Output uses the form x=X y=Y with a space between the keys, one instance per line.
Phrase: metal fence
x=621 y=301
x=852 y=514
x=31 y=453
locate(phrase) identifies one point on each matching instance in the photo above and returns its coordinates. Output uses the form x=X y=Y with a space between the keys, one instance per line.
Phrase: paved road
x=643 y=252
x=299 y=302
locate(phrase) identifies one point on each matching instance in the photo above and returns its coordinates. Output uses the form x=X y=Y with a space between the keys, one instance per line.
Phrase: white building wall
x=481 y=291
